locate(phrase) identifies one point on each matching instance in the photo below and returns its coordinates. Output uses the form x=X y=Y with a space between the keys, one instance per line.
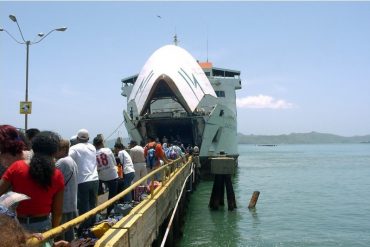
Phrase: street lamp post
x=28 y=43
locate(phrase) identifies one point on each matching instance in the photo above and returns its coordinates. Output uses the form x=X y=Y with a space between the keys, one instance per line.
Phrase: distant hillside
x=300 y=138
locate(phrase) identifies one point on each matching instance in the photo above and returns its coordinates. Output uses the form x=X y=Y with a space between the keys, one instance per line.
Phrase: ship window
x=220 y=93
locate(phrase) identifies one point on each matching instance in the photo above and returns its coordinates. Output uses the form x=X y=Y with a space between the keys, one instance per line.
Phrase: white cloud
x=263 y=102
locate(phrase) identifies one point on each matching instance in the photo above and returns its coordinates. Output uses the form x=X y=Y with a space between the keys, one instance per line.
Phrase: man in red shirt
x=159 y=154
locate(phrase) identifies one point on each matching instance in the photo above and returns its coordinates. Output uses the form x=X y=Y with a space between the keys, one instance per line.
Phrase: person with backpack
x=154 y=154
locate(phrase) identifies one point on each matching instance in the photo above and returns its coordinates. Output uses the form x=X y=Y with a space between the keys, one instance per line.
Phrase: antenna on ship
x=175 y=41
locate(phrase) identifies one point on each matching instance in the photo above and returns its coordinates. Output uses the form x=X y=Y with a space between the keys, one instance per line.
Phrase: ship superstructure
x=176 y=97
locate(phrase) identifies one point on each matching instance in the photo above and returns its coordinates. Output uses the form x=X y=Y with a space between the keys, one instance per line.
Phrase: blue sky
x=305 y=66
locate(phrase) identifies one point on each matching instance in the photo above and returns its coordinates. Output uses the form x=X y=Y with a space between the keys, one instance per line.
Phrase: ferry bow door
x=131 y=129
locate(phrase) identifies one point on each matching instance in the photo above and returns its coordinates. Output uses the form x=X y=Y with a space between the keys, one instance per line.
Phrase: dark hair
x=44 y=145
x=142 y=143
x=11 y=140
x=151 y=138
x=119 y=145
x=133 y=143
x=98 y=140
x=31 y=133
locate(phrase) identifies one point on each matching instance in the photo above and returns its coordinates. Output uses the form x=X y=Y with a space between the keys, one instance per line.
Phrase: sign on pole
x=25 y=107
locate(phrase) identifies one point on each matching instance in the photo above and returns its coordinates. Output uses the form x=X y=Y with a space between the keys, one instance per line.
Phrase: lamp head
x=40 y=34
x=13 y=18
x=61 y=29
x=1 y=29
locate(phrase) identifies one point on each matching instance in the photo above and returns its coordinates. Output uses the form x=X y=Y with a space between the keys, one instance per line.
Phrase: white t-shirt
x=107 y=166
x=126 y=161
x=137 y=154
x=68 y=167
x=84 y=154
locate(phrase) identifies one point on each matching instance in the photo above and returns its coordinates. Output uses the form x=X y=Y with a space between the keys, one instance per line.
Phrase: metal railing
x=170 y=223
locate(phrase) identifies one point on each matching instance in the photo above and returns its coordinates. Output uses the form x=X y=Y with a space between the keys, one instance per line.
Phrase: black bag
x=122 y=209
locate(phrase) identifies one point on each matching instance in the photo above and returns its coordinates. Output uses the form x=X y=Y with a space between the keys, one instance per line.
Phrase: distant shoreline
x=300 y=138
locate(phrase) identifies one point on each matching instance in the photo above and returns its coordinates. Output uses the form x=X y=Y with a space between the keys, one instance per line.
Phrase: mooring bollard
x=254 y=199
x=222 y=167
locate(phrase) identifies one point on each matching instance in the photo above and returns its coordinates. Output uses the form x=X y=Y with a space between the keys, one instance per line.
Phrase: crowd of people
x=60 y=178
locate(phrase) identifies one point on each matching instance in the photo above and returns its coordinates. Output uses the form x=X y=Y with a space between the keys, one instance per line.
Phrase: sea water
x=310 y=195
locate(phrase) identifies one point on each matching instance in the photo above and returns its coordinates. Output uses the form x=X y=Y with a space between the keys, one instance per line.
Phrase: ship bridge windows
x=129 y=80
x=220 y=93
x=225 y=73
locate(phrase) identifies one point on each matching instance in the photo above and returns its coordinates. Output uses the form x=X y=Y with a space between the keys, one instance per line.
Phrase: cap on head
x=83 y=134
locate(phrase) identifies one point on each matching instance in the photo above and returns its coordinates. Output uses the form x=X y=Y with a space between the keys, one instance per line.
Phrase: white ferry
x=177 y=97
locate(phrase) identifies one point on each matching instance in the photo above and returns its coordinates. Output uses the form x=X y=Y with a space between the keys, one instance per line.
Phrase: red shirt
x=159 y=154
x=41 y=199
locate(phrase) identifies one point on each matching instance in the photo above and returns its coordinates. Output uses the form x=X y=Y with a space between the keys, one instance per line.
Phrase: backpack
x=150 y=157
x=173 y=153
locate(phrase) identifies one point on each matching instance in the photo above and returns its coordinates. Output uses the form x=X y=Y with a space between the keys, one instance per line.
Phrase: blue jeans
x=68 y=235
x=37 y=227
x=87 y=196
x=126 y=183
x=112 y=186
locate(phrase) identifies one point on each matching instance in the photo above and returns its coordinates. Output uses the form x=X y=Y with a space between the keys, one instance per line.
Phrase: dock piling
x=254 y=199
x=222 y=167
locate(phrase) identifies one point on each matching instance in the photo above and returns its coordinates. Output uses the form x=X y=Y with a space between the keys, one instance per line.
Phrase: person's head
x=98 y=142
x=73 y=140
x=63 y=149
x=118 y=147
x=12 y=145
x=46 y=143
x=142 y=143
x=83 y=136
x=151 y=139
x=45 y=146
x=133 y=143
x=31 y=133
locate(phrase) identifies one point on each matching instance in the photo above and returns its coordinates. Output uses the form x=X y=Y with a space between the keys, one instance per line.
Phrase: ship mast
x=175 y=40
